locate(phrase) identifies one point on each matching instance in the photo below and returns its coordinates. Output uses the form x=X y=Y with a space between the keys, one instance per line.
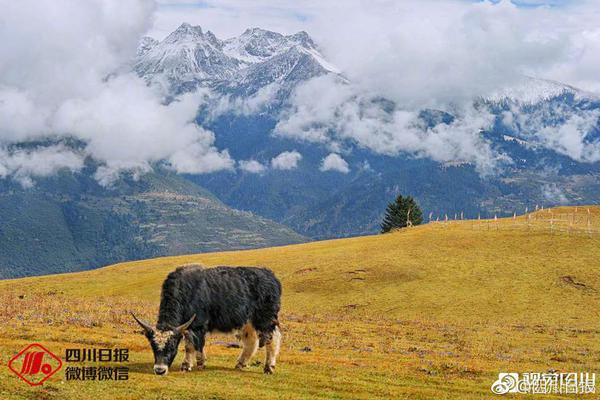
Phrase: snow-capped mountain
x=189 y=58
x=534 y=90
x=544 y=135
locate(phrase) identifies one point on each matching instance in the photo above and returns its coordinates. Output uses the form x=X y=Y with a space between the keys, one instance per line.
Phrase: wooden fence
x=574 y=221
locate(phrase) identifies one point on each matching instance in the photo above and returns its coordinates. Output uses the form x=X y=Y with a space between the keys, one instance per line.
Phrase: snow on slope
x=532 y=90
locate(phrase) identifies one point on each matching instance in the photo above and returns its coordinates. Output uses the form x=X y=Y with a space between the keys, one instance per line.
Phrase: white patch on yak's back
x=161 y=338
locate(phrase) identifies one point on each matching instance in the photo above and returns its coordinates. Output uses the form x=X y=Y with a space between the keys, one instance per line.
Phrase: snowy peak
x=189 y=57
x=302 y=39
x=257 y=45
x=185 y=32
x=187 y=54
x=532 y=90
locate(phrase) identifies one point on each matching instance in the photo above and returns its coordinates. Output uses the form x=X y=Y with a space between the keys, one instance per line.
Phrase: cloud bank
x=64 y=73
x=23 y=165
x=421 y=54
x=342 y=114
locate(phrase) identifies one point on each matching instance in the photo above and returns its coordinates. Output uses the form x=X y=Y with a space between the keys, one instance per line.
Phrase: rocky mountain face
x=527 y=130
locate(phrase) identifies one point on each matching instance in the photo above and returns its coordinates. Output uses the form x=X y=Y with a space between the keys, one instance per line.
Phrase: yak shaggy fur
x=223 y=299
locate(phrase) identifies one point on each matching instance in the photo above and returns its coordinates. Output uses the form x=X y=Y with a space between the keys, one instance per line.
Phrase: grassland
x=431 y=312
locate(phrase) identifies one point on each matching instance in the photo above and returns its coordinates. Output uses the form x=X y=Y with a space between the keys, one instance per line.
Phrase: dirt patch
x=570 y=281
x=357 y=271
x=305 y=271
x=355 y=306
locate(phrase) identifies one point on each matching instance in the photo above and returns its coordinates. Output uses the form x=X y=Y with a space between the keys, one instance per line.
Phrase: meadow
x=430 y=312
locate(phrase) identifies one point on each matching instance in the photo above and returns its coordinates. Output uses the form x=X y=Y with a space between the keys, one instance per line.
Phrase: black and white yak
x=196 y=301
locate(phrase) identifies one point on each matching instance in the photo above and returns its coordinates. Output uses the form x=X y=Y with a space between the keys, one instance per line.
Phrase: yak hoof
x=240 y=366
x=269 y=369
x=200 y=367
x=185 y=367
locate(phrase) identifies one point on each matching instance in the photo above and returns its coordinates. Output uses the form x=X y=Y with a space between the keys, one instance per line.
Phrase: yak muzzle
x=161 y=369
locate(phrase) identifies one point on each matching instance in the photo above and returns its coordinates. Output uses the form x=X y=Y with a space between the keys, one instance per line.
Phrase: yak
x=197 y=301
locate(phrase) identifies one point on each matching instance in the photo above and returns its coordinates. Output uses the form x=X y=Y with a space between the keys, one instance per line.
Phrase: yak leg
x=201 y=358
x=249 y=340
x=190 y=354
x=272 y=344
x=199 y=340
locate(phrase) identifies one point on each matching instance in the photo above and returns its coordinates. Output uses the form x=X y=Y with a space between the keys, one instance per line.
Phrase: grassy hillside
x=435 y=311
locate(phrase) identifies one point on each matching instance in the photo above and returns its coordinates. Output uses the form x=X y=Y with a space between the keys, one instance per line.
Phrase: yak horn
x=147 y=327
x=183 y=327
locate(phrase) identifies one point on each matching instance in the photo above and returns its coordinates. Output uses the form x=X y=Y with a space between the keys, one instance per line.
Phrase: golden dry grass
x=434 y=311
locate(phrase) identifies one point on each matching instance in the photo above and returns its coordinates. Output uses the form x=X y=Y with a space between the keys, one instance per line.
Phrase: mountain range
x=256 y=76
x=289 y=188
x=189 y=58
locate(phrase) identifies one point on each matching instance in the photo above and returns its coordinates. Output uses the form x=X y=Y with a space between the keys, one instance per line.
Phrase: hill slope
x=435 y=311
x=68 y=223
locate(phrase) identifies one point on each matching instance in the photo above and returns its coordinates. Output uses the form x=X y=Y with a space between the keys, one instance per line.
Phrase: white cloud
x=419 y=53
x=242 y=105
x=333 y=162
x=64 y=72
x=252 y=166
x=569 y=138
x=25 y=164
x=422 y=51
x=128 y=129
x=554 y=194
x=286 y=160
x=560 y=128
x=332 y=113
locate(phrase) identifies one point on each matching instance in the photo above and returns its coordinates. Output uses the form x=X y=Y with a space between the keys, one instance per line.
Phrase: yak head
x=164 y=343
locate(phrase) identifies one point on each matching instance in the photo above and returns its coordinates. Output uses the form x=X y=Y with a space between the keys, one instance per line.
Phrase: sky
x=65 y=71
x=229 y=18
x=428 y=42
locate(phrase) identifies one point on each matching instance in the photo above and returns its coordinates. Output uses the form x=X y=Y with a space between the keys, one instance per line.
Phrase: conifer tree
x=402 y=212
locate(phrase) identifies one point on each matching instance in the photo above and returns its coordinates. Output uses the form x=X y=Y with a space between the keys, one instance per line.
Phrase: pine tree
x=400 y=212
